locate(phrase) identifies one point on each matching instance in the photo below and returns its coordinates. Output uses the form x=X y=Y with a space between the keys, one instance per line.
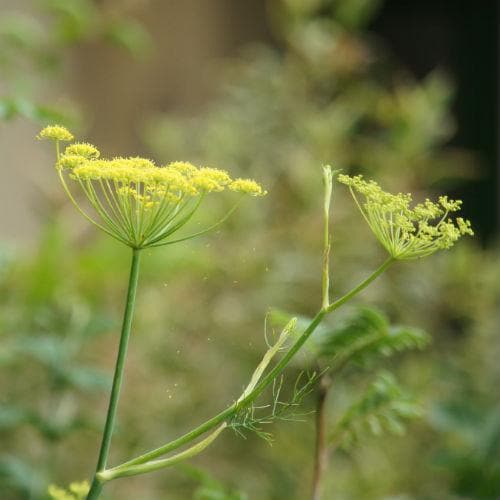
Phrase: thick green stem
x=96 y=487
x=265 y=382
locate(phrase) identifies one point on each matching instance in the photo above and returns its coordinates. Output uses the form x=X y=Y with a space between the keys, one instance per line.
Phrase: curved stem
x=154 y=465
x=265 y=382
x=230 y=410
x=96 y=487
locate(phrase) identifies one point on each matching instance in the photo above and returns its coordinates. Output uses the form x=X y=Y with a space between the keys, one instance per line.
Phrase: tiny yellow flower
x=210 y=179
x=80 y=489
x=82 y=149
x=76 y=491
x=247 y=186
x=405 y=232
x=56 y=493
x=70 y=161
x=55 y=133
x=133 y=200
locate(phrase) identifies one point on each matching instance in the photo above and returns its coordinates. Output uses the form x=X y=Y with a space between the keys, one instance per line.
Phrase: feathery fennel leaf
x=362 y=336
x=383 y=408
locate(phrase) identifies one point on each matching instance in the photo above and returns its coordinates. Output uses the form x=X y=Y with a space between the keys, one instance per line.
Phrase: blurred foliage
x=44 y=328
x=35 y=37
x=328 y=91
x=383 y=408
x=210 y=488
x=360 y=339
x=360 y=336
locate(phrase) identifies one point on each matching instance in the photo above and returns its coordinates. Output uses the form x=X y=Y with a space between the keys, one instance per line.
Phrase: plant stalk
x=97 y=485
x=321 y=451
x=328 y=184
x=348 y=296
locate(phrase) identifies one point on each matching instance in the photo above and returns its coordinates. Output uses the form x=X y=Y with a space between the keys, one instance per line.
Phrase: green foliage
x=384 y=407
x=130 y=35
x=355 y=14
x=23 y=40
x=72 y=21
x=472 y=455
x=12 y=107
x=82 y=20
x=362 y=336
x=366 y=336
x=210 y=488
x=17 y=475
x=44 y=330
x=253 y=418
x=351 y=14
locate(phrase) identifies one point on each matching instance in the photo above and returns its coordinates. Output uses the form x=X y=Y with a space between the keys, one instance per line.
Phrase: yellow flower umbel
x=76 y=491
x=405 y=232
x=135 y=201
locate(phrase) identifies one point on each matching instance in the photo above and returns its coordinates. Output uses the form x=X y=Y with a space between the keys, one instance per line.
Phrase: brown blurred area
x=178 y=74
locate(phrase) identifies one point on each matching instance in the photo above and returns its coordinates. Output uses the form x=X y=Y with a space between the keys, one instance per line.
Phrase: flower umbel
x=77 y=491
x=56 y=133
x=406 y=232
x=135 y=201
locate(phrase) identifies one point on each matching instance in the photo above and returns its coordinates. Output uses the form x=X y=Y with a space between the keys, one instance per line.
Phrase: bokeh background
x=404 y=92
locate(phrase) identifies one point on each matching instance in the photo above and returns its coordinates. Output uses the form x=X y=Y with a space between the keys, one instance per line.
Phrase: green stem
x=265 y=382
x=96 y=487
x=348 y=296
x=328 y=182
x=231 y=410
x=154 y=465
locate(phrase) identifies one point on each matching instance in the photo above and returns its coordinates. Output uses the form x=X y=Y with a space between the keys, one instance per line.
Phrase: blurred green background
x=404 y=92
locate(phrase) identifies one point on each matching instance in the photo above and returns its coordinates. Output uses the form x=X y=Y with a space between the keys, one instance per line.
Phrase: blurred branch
x=321 y=451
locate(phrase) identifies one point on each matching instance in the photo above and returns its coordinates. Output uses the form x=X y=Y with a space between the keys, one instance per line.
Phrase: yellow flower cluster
x=84 y=149
x=247 y=186
x=406 y=232
x=137 y=202
x=77 y=491
x=56 y=133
